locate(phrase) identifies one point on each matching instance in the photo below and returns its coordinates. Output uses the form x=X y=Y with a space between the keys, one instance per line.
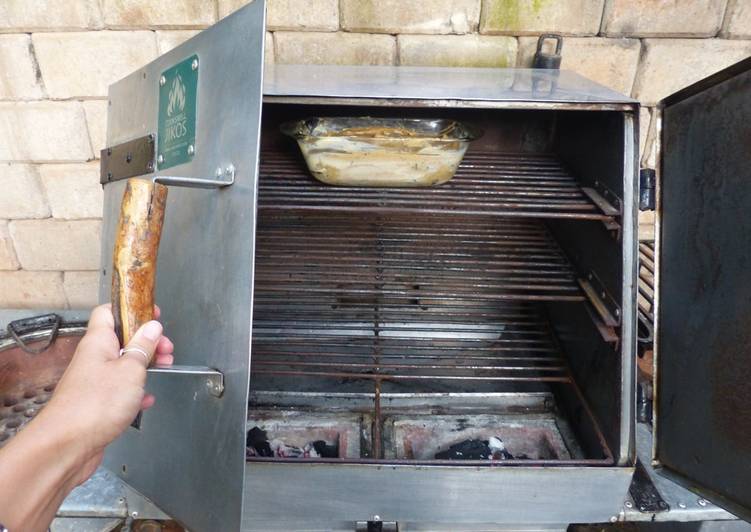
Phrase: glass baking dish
x=381 y=152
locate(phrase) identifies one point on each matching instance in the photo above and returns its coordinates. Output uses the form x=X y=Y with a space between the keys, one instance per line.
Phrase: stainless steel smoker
x=394 y=322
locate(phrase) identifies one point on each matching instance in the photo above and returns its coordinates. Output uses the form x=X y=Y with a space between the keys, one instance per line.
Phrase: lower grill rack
x=368 y=308
x=406 y=300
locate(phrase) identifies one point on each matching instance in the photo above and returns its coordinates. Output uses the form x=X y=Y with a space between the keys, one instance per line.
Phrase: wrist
x=57 y=433
x=40 y=466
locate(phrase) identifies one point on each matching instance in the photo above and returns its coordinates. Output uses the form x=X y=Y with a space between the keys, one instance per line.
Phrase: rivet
x=702 y=502
x=191 y=149
x=218 y=172
x=614 y=519
x=682 y=505
x=160 y=159
x=230 y=170
x=134 y=515
x=629 y=504
x=194 y=64
x=162 y=81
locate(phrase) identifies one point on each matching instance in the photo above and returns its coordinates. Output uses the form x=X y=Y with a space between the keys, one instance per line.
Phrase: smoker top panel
x=437 y=83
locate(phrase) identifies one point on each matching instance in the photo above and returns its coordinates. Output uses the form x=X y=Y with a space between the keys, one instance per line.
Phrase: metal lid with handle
x=551 y=60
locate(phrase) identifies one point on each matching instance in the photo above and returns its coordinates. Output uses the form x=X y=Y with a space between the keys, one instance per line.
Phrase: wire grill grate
x=495 y=184
x=407 y=299
x=646 y=280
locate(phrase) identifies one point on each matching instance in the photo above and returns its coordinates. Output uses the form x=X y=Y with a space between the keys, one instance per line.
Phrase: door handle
x=137 y=236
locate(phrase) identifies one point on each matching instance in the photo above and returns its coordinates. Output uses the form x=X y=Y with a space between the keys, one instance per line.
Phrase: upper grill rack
x=496 y=184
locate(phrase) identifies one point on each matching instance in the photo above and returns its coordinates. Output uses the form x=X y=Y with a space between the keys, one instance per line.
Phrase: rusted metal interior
x=396 y=321
x=33 y=357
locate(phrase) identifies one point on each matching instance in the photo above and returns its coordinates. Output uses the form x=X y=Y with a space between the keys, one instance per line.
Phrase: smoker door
x=703 y=344
x=188 y=455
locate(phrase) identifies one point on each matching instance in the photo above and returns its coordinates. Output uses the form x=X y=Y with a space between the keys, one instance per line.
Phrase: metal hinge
x=376 y=525
x=129 y=159
x=647 y=179
x=136 y=158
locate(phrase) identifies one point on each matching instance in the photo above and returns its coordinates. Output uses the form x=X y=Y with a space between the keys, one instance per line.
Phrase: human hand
x=101 y=393
x=98 y=396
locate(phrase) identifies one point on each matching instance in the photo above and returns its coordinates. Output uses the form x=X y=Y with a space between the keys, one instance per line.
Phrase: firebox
x=339 y=347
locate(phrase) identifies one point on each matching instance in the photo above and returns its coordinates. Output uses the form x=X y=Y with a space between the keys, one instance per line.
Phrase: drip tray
x=412 y=427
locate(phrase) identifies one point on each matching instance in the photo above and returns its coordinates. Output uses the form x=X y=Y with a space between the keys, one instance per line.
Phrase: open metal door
x=703 y=343
x=191 y=119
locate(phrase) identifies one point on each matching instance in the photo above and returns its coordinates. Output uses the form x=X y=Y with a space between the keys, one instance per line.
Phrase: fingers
x=147 y=401
x=163 y=360
x=165 y=346
x=144 y=342
x=101 y=316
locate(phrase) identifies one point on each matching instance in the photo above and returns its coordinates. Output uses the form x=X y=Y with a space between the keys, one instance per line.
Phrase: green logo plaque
x=176 y=138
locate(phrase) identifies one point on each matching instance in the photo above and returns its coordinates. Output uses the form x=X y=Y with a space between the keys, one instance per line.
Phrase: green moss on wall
x=511 y=14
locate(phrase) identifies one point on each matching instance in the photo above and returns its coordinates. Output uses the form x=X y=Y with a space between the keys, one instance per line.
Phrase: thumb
x=144 y=342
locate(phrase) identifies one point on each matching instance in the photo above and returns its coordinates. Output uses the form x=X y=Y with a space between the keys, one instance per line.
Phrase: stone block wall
x=57 y=58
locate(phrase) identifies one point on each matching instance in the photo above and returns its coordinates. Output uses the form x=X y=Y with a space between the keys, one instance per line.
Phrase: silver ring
x=135 y=349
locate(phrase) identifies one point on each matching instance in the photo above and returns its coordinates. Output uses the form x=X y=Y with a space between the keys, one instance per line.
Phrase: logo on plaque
x=176 y=137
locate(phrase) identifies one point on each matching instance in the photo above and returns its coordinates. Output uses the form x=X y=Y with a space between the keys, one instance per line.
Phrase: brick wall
x=57 y=58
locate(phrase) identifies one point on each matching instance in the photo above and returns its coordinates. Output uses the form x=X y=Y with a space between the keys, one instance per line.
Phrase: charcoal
x=466 y=450
x=258 y=441
x=491 y=449
x=325 y=450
